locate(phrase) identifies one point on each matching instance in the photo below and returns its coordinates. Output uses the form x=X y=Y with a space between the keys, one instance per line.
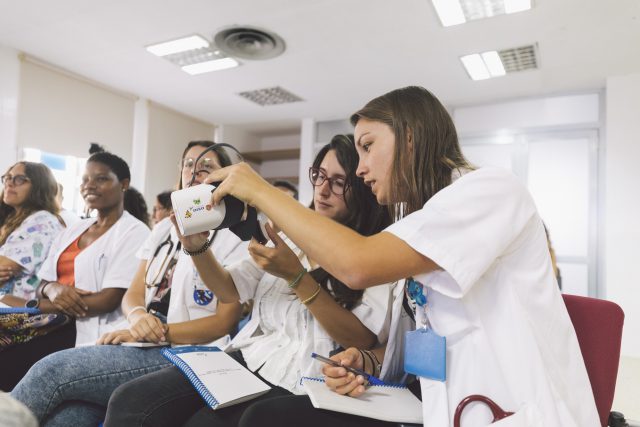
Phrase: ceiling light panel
x=208 y=66
x=481 y=66
x=454 y=12
x=179 y=45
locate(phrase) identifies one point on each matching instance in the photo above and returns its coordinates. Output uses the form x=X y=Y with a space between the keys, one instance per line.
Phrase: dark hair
x=164 y=199
x=418 y=118
x=289 y=186
x=117 y=165
x=94 y=147
x=223 y=157
x=135 y=204
x=365 y=215
x=42 y=196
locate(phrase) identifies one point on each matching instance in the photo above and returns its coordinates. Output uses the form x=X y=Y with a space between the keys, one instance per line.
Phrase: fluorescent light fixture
x=215 y=65
x=475 y=67
x=179 y=45
x=449 y=12
x=513 y=6
x=454 y=12
x=494 y=63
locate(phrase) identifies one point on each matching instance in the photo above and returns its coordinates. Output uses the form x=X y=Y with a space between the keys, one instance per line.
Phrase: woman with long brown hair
x=471 y=249
x=29 y=222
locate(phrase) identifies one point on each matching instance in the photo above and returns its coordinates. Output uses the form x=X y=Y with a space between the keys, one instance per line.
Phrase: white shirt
x=226 y=247
x=509 y=336
x=282 y=333
x=109 y=262
x=69 y=217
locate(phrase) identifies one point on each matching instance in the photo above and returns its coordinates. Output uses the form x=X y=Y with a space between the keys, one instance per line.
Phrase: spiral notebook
x=393 y=403
x=216 y=376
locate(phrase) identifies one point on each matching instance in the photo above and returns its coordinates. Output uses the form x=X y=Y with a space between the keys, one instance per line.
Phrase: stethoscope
x=204 y=296
x=165 y=261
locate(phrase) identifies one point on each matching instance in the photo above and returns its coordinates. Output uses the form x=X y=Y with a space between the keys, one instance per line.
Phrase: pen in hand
x=370 y=378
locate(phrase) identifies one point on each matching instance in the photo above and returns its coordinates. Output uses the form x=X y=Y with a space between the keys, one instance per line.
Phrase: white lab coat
x=509 y=336
x=109 y=262
x=282 y=333
x=227 y=248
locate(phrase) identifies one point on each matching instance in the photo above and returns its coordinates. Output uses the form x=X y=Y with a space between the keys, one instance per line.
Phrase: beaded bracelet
x=202 y=250
x=312 y=297
x=295 y=282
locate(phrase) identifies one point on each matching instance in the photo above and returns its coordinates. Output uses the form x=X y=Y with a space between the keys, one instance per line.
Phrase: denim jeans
x=72 y=387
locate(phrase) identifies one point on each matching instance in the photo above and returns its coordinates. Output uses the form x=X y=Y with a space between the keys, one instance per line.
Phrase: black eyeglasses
x=206 y=165
x=338 y=185
x=16 y=180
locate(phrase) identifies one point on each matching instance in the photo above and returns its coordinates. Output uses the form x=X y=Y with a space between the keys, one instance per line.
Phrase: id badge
x=425 y=354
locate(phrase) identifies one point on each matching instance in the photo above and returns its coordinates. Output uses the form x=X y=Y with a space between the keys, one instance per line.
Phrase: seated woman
x=29 y=223
x=62 y=390
x=87 y=271
x=472 y=249
x=162 y=207
x=294 y=312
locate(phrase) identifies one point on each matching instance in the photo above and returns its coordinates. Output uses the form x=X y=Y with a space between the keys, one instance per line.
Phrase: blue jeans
x=72 y=387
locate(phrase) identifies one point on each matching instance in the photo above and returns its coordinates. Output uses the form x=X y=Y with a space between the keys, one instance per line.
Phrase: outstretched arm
x=354 y=259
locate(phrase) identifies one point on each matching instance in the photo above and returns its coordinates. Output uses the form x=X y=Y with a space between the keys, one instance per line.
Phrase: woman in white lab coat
x=473 y=251
x=166 y=301
x=88 y=268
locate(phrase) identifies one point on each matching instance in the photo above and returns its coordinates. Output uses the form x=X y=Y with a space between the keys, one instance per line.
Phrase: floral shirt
x=28 y=246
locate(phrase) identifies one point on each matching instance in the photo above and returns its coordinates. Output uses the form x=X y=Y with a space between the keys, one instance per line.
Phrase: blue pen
x=372 y=380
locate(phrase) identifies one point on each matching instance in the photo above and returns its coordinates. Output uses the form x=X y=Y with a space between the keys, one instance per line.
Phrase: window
x=560 y=171
x=67 y=170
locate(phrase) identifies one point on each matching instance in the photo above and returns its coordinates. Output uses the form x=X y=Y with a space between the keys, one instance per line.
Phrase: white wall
x=168 y=133
x=9 y=94
x=241 y=139
x=62 y=114
x=622 y=206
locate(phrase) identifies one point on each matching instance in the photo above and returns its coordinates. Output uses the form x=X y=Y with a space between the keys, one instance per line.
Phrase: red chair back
x=598 y=324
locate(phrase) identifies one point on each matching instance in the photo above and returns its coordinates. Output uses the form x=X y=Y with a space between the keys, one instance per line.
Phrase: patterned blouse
x=28 y=246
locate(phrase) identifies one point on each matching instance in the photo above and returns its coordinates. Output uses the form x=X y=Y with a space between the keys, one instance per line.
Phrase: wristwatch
x=32 y=303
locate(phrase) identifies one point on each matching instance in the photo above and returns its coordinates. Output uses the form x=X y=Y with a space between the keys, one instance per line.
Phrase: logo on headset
x=196 y=201
x=187 y=214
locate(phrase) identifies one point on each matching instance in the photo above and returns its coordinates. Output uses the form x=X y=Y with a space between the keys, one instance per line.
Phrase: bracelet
x=312 y=297
x=377 y=366
x=137 y=307
x=42 y=294
x=295 y=282
x=202 y=250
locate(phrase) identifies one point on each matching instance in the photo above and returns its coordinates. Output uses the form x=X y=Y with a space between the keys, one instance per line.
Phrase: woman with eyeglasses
x=87 y=270
x=166 y=302
x=29 y=222
x=298 y=308
x=470 y=247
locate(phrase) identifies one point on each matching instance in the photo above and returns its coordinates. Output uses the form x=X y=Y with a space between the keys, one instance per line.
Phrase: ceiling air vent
x=519 y=58
x=249 y=43
x=270 y=96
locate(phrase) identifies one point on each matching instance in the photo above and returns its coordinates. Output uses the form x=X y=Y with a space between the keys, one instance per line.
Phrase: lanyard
x=417 y=293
